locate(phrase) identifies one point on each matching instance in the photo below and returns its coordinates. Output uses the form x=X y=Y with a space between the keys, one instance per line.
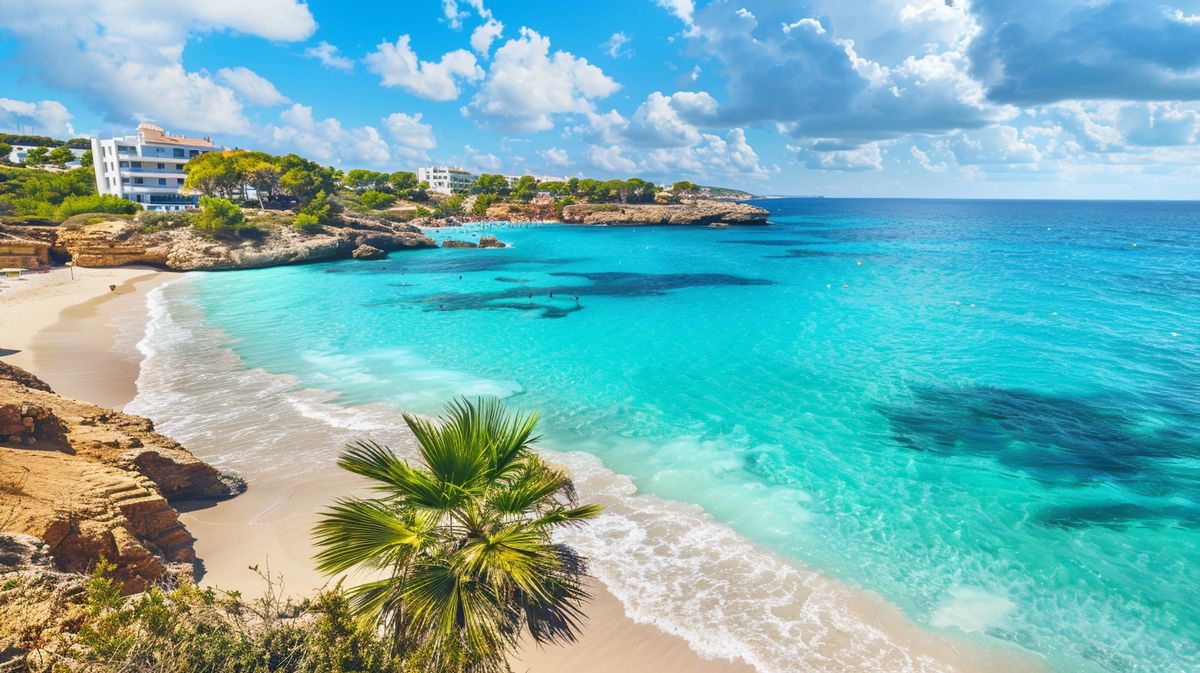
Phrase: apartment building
x=147 y=167
x=446 y=179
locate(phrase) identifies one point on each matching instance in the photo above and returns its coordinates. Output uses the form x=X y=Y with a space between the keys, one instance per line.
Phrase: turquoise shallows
x=988 y=412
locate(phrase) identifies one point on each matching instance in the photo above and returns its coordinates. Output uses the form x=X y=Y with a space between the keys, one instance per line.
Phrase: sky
x=920 y=98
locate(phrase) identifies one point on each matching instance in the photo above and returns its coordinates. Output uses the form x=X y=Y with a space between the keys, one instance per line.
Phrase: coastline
x=78 y=350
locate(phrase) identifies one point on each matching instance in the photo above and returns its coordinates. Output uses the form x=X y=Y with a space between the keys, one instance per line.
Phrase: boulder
x=364 y=251
x=491 y=242
x=451 y=243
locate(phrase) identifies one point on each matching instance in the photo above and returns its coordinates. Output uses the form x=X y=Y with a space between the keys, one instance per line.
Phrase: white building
x=512 y=179
x=19 y=152
x=446 y=179
x=147 y=167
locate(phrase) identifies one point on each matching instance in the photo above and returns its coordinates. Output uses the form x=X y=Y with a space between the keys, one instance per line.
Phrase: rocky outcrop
x=454 y=243
x=94 y=483
x=117 y=243
x=699 y=213
x=491 y=242
x=365 y=251
x=39 y=605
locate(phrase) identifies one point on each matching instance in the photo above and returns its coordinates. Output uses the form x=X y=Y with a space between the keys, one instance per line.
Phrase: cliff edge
x=697 y=213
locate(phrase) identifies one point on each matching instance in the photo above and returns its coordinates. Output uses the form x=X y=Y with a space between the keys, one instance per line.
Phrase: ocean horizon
x=986 y=412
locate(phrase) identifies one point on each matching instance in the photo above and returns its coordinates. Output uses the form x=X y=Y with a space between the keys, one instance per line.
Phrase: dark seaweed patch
x=558 y=301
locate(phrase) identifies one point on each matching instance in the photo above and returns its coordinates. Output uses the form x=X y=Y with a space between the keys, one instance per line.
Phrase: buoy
x=845 y=286
x=860 y=262
x=958 y=303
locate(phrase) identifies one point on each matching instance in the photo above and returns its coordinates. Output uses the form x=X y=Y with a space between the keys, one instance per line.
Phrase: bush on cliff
x=30 y=191
x=218 y=215
x=373 y=199
x=96 y=203
x=193 y=630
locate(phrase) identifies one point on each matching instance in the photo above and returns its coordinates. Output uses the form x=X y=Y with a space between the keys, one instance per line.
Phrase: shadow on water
x=805 y=254
x=489 y=261
x=558 y=301
x=1064 y=442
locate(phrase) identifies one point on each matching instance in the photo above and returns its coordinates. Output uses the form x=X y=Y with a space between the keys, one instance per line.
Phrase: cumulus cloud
x=802 y=74
x=413 y=135
x=328 y=55
x=611 y=159
x=927 y=163
x=398 y=66
x=864 y=158
x=993 y=145
x=556 y=156
x=253 y=87
x=1033 y=51
x=484 y=34
x=527 y=85
x=122 y=57
x=48 y=117
x=326 y=140
x=483 y=161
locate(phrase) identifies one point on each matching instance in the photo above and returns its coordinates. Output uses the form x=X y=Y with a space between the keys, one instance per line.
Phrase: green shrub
x=482 y=203
x=373 y=199
x=219 y=215
x=309 y=224
x=96 y=203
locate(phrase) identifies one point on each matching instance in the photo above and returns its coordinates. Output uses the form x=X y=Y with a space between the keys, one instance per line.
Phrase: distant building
x=19 y=152
x=445 y=179
x=147 y=167
x=512 y=179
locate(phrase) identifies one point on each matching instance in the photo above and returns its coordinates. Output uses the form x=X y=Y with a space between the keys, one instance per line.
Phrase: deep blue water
x=986 y=411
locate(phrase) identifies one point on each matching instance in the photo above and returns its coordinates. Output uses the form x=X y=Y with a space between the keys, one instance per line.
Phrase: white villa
x=445 y=179
x=512 y=179
x=147 y=167
x=19 y=152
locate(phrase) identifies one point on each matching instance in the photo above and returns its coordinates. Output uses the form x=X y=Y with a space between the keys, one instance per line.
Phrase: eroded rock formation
x=92 y=483
x=698 y=213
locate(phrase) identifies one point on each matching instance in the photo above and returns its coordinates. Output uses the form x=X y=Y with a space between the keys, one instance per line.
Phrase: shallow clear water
x=988 y=412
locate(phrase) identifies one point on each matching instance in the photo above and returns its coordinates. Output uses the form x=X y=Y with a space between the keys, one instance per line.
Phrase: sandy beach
x=80 y=336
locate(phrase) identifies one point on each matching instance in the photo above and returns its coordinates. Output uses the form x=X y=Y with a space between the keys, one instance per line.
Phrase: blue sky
x=950 y=98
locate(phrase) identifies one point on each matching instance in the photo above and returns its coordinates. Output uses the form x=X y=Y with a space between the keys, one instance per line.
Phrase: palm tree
x=462 y=542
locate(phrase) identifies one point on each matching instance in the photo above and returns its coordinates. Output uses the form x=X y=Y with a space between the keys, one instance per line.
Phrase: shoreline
x=80 y=353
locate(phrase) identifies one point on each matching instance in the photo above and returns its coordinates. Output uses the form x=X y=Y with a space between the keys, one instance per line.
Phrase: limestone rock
x=365 y=251
x=491 y=242
x=95 y=482
x=698 y=213
x=452 y=243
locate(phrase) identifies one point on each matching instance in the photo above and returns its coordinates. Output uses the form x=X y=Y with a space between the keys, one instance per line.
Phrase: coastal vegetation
x=462 y=541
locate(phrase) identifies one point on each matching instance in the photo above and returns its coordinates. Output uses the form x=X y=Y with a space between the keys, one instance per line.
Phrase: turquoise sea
x=988 y=412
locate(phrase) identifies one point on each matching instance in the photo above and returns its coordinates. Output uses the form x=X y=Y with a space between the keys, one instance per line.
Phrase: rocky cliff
x=698 y=213
x=120 y=242
x=91 y=483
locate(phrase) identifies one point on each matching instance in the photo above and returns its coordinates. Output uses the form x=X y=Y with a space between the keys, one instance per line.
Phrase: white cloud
x=526 y=84
x=327 y=140
x=48 y=117
x=122 y=57
x=453 y=14
x=615 y=45
x=398 y=66
x=484 y=34
x=927 y=163
x=327 y=54
x=610 y=159
x=992 y=145
x=410 y=131
x=556 y=156
x=682 y=9
x=483 y=161
x=253 y=87
x=865 y=158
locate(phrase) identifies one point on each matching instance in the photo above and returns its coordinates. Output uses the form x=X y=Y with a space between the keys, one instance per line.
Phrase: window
x=161 y=166
x=135 y=164
x=124 y=164
x=179 y=181
x=178 y=152
x=137 y=181
x=194 y=153
x=162 y=182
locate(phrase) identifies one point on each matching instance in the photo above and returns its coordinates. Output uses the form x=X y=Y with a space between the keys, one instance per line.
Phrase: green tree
x=525 y=188
x=315 y=214
x=260 y=171
x=451 y=205
x=463 y=539
x=572 y=187
x=553 y=187
x=403 y=182
x=5 y=150
x=482 y=203
x=218 y=215
x=586 y=188
x=360 y=179
x=305 y=179
x=213 y=174
x=86 y=159
x=490 y=183
x=373 y=199
x=60 y=156
x=36 y=156
x=638 y=190
x=684 y=188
